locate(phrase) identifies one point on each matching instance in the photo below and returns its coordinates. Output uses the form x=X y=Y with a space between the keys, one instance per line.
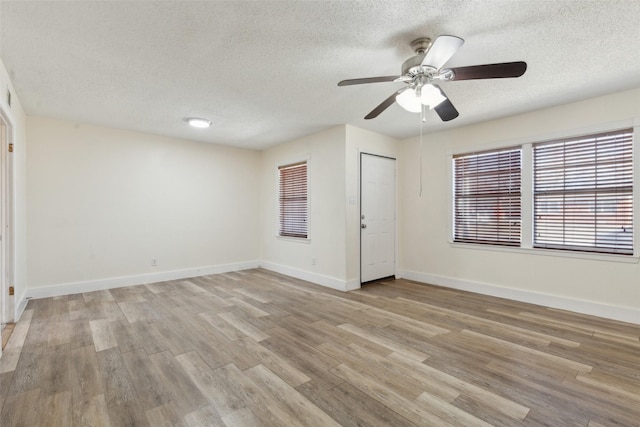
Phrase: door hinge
x=11 y=290
x=11 y=148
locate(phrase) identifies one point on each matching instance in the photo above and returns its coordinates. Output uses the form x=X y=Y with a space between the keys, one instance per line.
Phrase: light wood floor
x=256 y=348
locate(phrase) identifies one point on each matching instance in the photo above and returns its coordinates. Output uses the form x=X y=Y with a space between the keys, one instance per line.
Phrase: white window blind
x=293 y=200
x=583 y=193
x=487 y=199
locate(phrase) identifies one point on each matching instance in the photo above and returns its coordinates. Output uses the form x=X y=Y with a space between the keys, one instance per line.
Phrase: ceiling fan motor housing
x=413 y=66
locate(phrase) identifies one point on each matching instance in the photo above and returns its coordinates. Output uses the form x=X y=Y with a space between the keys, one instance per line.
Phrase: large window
x=583 y=193
x=293 y=200
x=487 y=197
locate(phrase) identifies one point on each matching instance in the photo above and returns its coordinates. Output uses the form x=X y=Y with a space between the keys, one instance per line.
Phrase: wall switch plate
x=154 y=262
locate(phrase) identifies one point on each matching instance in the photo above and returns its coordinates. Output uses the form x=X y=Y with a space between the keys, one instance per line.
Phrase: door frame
x=7 y=221
x=395 y=209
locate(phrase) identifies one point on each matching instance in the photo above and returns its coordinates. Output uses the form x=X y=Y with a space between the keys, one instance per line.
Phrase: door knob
x=363 y=225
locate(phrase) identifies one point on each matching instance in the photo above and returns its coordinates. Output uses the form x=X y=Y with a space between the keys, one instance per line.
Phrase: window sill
x=629 y=259
x=294 y=239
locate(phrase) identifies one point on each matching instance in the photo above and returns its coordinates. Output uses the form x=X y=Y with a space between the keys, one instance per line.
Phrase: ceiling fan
x=421 y=71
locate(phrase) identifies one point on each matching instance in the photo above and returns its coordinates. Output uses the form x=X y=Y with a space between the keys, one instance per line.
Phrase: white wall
x=325 y=154
x=16 y=117
x=597 y=285
x=101 y=203
x=334 y=205
x=360 y=141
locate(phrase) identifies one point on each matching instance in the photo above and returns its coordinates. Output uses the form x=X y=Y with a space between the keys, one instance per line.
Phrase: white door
x=378 y=217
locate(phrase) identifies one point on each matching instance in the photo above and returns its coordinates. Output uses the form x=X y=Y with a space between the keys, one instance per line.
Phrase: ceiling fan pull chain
x=422 y=120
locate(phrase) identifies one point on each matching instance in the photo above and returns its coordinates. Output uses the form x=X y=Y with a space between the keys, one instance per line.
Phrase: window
x=583 y=193
x=487 y=200
x=293 y=200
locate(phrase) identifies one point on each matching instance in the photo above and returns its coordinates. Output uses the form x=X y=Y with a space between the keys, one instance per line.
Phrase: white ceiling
x=266 y=72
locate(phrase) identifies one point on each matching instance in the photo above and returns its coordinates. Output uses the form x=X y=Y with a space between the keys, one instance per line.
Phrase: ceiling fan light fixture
x=431 y=96
x=198 y=122
x=409 y=101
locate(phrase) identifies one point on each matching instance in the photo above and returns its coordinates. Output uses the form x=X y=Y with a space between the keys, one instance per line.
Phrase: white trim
x=7 y=220
x=636 y=186
x=594 y=256
x=352 y=285
x=305 y=240
x=318 y=279
x=293 y=160
x=624 y=314
x=299 y=159
x=21 y=304
x=117 y=282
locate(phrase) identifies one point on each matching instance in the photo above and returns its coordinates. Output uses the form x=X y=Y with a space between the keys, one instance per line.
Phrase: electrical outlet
x=314 y=261
x=154 y=262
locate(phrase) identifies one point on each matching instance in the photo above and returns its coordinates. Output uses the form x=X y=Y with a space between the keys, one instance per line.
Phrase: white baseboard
x=352 y=285
x=318 y=279
x=117 y=282
x=20 y=305
x=624 y=314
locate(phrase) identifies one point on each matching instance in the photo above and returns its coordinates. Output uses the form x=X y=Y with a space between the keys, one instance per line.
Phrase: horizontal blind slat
x=293 y=200
x=583 y=193
x=487 y=197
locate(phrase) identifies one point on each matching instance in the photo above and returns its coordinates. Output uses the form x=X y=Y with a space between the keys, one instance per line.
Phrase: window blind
x=293 y=200
x=583 y=193
x=487 y=199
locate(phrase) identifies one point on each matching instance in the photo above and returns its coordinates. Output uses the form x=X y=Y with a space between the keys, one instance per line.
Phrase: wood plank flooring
x=255 y=348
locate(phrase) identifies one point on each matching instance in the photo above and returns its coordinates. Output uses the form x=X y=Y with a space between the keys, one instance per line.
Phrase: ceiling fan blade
x=442 y=49
x=490 y=71
x=445 y=109
x=367 y=80
x=384 y=105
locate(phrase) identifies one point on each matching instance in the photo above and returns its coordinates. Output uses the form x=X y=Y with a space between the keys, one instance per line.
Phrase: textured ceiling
x=266 y=72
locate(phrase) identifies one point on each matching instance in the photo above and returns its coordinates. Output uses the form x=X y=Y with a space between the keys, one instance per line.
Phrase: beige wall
x=334 y=205
x=588 y=283
x=321 y=257
x=16 y=117
x=103 y=202
x=360 y=141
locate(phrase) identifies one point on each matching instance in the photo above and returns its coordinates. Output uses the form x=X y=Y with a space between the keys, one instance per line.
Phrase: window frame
x=571 y=175
x=526 y=143
x=497 y=201
x=304 y=237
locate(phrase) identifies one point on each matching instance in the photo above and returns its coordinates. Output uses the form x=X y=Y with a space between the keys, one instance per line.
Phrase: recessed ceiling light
x=197 y=122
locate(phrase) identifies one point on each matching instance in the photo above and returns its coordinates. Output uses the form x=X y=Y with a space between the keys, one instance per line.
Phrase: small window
x=293 y=200
x=487 y=199
x=583 y=193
